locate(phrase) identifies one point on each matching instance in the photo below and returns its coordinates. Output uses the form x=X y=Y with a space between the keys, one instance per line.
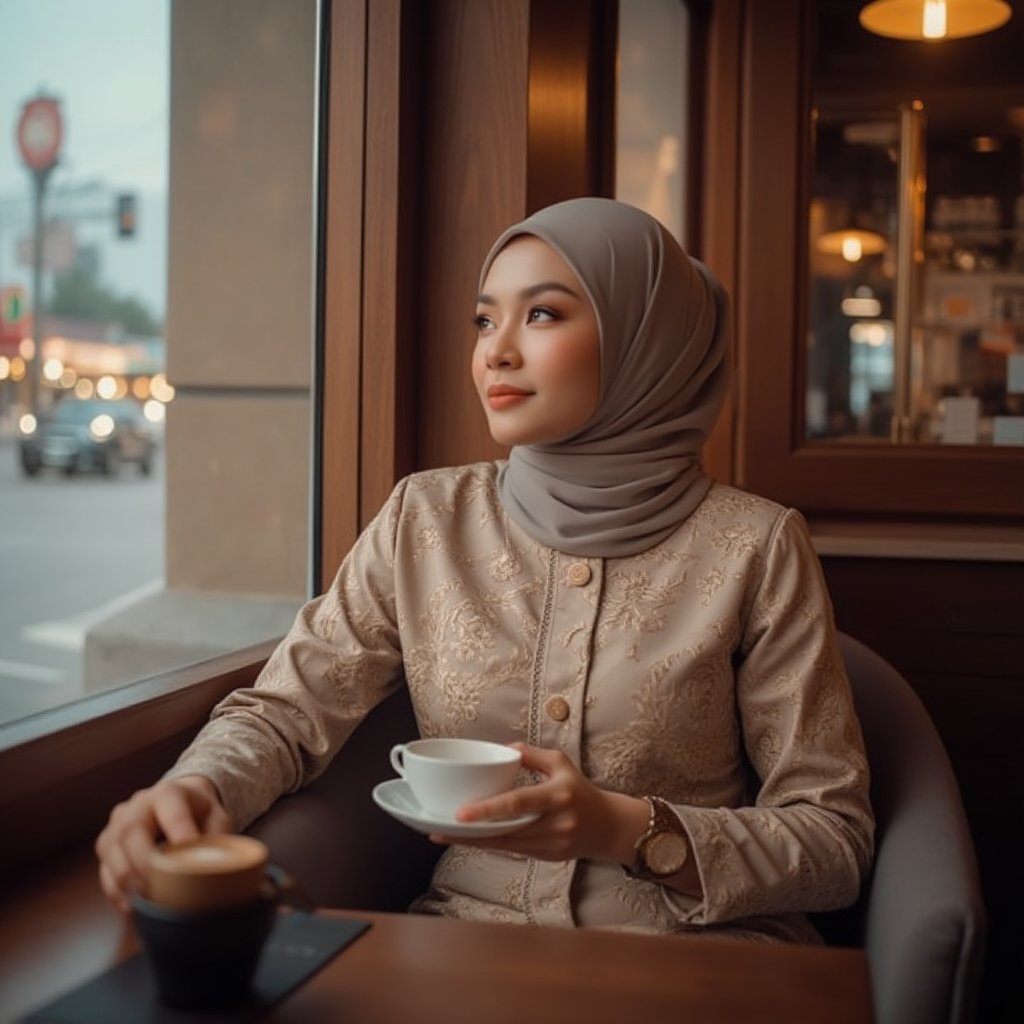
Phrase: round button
x=579 y=574
x=557 y=708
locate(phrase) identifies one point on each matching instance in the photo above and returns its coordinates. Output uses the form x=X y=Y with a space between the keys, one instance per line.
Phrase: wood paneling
x=571 y=55
x=390 y=251
x=719 y=173
x=515 y=118
x=474 y=184
x=341 y=288
x=766 y=240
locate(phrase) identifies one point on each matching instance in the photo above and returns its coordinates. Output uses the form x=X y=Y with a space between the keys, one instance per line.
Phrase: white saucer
x=395 y=797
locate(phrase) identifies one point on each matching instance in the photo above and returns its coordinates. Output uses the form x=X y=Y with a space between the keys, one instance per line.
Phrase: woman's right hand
x=174 y=809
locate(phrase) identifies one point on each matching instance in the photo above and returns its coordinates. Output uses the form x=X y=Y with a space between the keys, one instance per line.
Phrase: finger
x=541 y=759
x=511 y=804
x=131 y=859
x=112 y=890
x=216 y=821
x=122 y=873
x=176 y=815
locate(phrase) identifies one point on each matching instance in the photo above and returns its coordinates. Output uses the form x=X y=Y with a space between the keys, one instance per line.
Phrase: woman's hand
x=176 y=810
x=577 y=819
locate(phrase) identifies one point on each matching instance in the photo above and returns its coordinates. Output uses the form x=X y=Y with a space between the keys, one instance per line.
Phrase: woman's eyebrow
x=531 y=292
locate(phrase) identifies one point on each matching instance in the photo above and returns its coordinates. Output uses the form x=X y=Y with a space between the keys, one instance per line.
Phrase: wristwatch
x=664 y=847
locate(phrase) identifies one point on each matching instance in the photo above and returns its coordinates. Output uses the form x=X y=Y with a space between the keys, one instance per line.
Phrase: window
x=810 y=422
x=651 y=124
x=916 y=244
x=177 y=276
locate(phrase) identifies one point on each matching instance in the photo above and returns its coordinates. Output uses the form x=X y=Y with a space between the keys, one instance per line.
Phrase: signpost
x=40 y=135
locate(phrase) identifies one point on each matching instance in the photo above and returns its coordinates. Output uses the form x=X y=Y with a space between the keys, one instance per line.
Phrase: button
x=579 y=574
x=557 y=708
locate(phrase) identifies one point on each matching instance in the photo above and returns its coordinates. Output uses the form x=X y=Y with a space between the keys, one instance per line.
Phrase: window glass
x=156 y=347
x=651 y=103
x=916 y=241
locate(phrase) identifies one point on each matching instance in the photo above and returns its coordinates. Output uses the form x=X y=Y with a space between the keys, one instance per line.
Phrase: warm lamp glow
x=934 y=19
x=933 y=22
x=852 y=243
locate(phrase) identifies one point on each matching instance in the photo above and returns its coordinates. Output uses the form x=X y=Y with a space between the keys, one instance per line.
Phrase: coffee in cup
x=445 y=774
x=207 y=873
x=209 y=908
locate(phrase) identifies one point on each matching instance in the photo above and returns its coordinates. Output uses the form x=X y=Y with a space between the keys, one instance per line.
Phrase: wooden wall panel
x=515 y=119
x=571 y=100
x=390 y=250
x=719 y=178
x=474 y=184
x=341 y=285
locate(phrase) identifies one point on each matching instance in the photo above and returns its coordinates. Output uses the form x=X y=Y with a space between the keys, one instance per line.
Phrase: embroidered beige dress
x=690 y=671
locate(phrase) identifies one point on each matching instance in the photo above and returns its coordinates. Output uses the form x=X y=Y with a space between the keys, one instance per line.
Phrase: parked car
x=83 y=434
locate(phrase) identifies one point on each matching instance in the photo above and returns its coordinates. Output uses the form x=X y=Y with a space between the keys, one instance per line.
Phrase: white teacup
x=444 y=774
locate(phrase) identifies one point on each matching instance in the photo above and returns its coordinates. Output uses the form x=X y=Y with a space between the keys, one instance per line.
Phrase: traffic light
x=125 y=215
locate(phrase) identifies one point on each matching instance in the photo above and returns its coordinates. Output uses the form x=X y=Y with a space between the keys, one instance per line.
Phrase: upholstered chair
x=920 y=915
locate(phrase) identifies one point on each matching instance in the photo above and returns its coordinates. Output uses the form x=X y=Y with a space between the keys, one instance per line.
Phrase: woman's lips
x=503 y=396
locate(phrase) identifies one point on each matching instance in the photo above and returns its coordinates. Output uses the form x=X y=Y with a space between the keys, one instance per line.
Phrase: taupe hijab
x=631 y=475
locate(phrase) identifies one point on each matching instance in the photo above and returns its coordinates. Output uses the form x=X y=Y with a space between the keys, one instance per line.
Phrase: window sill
x=934 y=541
x=64 y=769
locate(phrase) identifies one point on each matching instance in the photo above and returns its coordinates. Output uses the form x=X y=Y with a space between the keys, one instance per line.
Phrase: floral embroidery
x=702 y=670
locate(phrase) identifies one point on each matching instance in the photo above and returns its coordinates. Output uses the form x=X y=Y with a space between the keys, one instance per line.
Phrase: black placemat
x=299 y=945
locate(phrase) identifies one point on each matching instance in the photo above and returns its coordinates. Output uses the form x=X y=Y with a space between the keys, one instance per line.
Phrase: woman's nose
x=502 y=350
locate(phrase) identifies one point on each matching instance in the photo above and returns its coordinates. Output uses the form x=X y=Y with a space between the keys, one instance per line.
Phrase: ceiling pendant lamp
x=852 y=243
x=934 y=20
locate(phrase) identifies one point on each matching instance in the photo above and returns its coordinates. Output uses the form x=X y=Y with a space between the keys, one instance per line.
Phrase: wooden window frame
x=772 y=189
x=64 y=769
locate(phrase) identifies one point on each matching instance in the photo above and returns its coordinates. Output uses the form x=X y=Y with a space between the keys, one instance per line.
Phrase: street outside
x=72 y=550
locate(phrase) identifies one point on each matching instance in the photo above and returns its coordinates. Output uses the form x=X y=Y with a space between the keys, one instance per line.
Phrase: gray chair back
x=920 y=916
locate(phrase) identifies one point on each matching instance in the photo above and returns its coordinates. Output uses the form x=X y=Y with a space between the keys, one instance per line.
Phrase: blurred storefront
x=83 y=358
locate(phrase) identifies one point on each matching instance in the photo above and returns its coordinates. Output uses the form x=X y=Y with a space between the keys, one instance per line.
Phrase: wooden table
x=59 y=932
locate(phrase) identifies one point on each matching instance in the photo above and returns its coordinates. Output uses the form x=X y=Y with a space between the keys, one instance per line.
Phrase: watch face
x=665 y=853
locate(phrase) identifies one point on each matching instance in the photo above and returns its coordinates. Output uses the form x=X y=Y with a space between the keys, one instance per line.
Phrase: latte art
x=207 y=873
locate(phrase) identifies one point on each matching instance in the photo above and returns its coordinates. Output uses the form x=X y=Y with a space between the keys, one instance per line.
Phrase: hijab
x=628 y=477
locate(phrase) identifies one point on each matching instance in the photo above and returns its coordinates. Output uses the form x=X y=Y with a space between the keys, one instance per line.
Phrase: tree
x=79 y=292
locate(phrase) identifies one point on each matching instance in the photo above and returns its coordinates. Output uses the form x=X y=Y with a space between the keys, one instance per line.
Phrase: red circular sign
x=40 y=133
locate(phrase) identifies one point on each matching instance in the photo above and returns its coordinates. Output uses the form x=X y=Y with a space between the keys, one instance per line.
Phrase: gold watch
x=664 y=847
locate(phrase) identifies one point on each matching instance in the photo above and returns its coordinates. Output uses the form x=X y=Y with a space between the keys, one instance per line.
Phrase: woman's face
x=537 y=360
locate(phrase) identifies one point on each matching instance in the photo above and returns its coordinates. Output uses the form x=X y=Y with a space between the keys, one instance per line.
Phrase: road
x=71 y=550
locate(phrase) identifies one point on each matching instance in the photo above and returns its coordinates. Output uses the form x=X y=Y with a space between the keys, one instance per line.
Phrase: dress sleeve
x=806 y=841
x=341 y=657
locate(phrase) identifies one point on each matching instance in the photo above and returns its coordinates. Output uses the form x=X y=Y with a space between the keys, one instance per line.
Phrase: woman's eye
x=540 y=315
x=482 y=322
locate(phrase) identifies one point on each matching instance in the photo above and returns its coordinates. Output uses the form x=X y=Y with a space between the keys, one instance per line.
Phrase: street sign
x=12 y=304
x=40 y=133
x=60 y=247
x=12 y=319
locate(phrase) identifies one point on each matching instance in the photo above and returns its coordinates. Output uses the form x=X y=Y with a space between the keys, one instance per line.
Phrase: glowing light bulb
x=933 y=21
x=852 y=249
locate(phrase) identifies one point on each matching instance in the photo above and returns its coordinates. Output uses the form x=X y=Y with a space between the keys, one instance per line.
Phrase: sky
x=107 y=62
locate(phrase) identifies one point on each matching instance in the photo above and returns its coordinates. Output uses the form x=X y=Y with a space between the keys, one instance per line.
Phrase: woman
x=660 y=646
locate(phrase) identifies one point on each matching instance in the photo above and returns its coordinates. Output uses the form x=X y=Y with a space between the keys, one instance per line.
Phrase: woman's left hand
x=577 y=819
